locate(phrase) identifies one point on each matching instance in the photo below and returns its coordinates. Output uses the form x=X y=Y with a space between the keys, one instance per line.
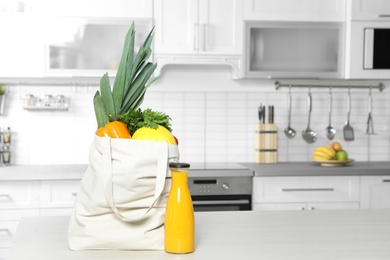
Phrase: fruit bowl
x=333 y=162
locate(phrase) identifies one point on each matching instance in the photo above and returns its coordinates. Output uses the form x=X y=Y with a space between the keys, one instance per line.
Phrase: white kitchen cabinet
x=306 y=206
x=375 y=192
x=96 y=8
x=305 y=193
x=58 y=194
x=294 y=49
x=21 y=45
x=82 y=46
x=17 y=199
x=200 y=27
x=19 y=194
x=297 y=10
x=370 y=10
x=198 y=32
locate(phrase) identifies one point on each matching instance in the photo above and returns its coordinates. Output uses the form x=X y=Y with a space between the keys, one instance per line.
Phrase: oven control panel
x=220 y=186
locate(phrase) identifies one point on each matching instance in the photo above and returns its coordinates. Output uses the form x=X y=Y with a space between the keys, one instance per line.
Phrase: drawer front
x=7 y=232
x=4 y=252
x=59 y=194
x=278 y=206
x=305 y=206
x=17 y=214
x=19 y=194
x=305 y=189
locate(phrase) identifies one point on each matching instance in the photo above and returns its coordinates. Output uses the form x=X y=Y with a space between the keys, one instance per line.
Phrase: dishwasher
x=220 y=187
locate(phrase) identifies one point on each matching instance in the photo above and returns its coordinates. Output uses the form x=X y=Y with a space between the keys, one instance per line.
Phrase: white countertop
x=68 y=172
x=243 y=235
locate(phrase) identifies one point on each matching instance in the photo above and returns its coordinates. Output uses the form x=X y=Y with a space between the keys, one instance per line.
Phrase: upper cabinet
x=21 y=47
x=198 y=32
x=96 y=8
x=312 y=50
x=297 y=10
x=76 y=46
x=73 y=38
x=374 y=10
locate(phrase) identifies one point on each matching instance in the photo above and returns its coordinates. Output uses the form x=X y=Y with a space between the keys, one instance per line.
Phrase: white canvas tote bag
x=123 y=194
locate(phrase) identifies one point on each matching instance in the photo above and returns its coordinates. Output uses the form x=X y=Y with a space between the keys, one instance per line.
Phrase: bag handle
x=162 y=166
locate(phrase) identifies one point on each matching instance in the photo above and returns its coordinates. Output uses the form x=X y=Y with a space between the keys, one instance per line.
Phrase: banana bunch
x=324 y=153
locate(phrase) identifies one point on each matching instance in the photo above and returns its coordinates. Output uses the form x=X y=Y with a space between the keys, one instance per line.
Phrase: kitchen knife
x=260 y=112
x=263 y=117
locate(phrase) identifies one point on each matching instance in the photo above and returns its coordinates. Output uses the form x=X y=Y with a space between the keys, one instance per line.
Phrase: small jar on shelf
x=5 y=155
x=6 y=135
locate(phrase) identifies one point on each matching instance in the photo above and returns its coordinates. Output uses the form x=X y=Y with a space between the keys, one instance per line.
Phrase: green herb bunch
x=136 y=118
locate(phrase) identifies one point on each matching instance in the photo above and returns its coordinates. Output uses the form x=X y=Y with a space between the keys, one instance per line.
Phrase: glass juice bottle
x=179 y=215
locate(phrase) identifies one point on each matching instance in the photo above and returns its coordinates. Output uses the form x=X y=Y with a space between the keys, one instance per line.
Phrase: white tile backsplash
x=213 y=116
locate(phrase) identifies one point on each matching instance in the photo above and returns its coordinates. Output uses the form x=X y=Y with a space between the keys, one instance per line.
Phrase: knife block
x=266 y=143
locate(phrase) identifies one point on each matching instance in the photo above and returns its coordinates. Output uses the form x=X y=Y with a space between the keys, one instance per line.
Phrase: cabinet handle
x=384 y=16
x=206 y=37
x=385 y=180
x=308 y=189
x=5 y=195
x=196 y=37
x=74 y=194
x=303 y=208
x=312 y=208
x=5 y=230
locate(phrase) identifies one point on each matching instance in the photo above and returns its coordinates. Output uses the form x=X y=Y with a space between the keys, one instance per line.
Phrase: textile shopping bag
x=123 y=194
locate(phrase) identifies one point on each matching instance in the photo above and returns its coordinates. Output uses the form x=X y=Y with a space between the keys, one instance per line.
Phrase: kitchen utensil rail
x=278 y=85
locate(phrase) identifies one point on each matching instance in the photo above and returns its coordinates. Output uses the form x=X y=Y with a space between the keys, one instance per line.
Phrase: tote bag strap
x=162 y=166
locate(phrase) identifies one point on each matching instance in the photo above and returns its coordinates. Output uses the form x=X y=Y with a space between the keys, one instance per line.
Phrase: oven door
x=222 y=203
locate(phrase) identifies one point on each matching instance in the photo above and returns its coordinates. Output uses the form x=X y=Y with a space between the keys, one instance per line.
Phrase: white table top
x=243 y=235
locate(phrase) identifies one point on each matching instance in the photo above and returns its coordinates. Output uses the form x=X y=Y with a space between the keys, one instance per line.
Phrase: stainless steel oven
x=220 y=187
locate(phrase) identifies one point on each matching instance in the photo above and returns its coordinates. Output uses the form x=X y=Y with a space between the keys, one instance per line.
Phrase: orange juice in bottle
x=179 y=215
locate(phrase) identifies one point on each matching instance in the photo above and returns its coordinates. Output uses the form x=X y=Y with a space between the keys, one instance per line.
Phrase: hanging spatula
x=348 y=130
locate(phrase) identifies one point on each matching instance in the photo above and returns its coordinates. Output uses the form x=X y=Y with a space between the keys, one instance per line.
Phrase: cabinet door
x=96 y=8
x=332 y=205
x=59 y=194
x=176 y=26
x=201 y=27
x=19 y=194
x=305 y=206
x=278 y=206
x=305 y=189
x=21 y=46
x=220 y=28
x=375 y=192
x=297 y=10
x=88 y=46
x=370 y=10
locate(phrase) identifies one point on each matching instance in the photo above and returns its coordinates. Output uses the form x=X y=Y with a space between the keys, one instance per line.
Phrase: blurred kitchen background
x=213 y=114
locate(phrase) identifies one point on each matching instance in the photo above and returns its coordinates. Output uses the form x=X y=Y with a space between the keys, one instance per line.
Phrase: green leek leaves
x=131 y=82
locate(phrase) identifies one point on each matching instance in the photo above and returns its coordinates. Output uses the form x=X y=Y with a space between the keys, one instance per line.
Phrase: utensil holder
x=266 y=143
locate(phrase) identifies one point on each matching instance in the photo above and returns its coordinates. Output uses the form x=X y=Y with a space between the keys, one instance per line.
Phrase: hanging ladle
x=330 y=131
x=289 y=132
x=309 y=135
x=370 y=125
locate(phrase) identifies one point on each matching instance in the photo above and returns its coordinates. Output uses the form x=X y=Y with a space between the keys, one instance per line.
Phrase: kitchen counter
x=326 y=234
x=61 y=172
x=314 y=169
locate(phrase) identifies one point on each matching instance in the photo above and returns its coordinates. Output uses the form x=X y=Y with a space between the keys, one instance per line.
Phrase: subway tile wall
x=213 y=116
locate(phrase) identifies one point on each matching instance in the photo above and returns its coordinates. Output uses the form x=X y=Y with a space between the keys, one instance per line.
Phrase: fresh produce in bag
x=123 y=194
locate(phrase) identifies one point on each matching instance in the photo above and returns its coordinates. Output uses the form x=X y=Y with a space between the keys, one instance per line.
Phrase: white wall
x=213 y=117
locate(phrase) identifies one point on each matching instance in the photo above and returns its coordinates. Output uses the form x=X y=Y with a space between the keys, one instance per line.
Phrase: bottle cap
x=179 y=165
